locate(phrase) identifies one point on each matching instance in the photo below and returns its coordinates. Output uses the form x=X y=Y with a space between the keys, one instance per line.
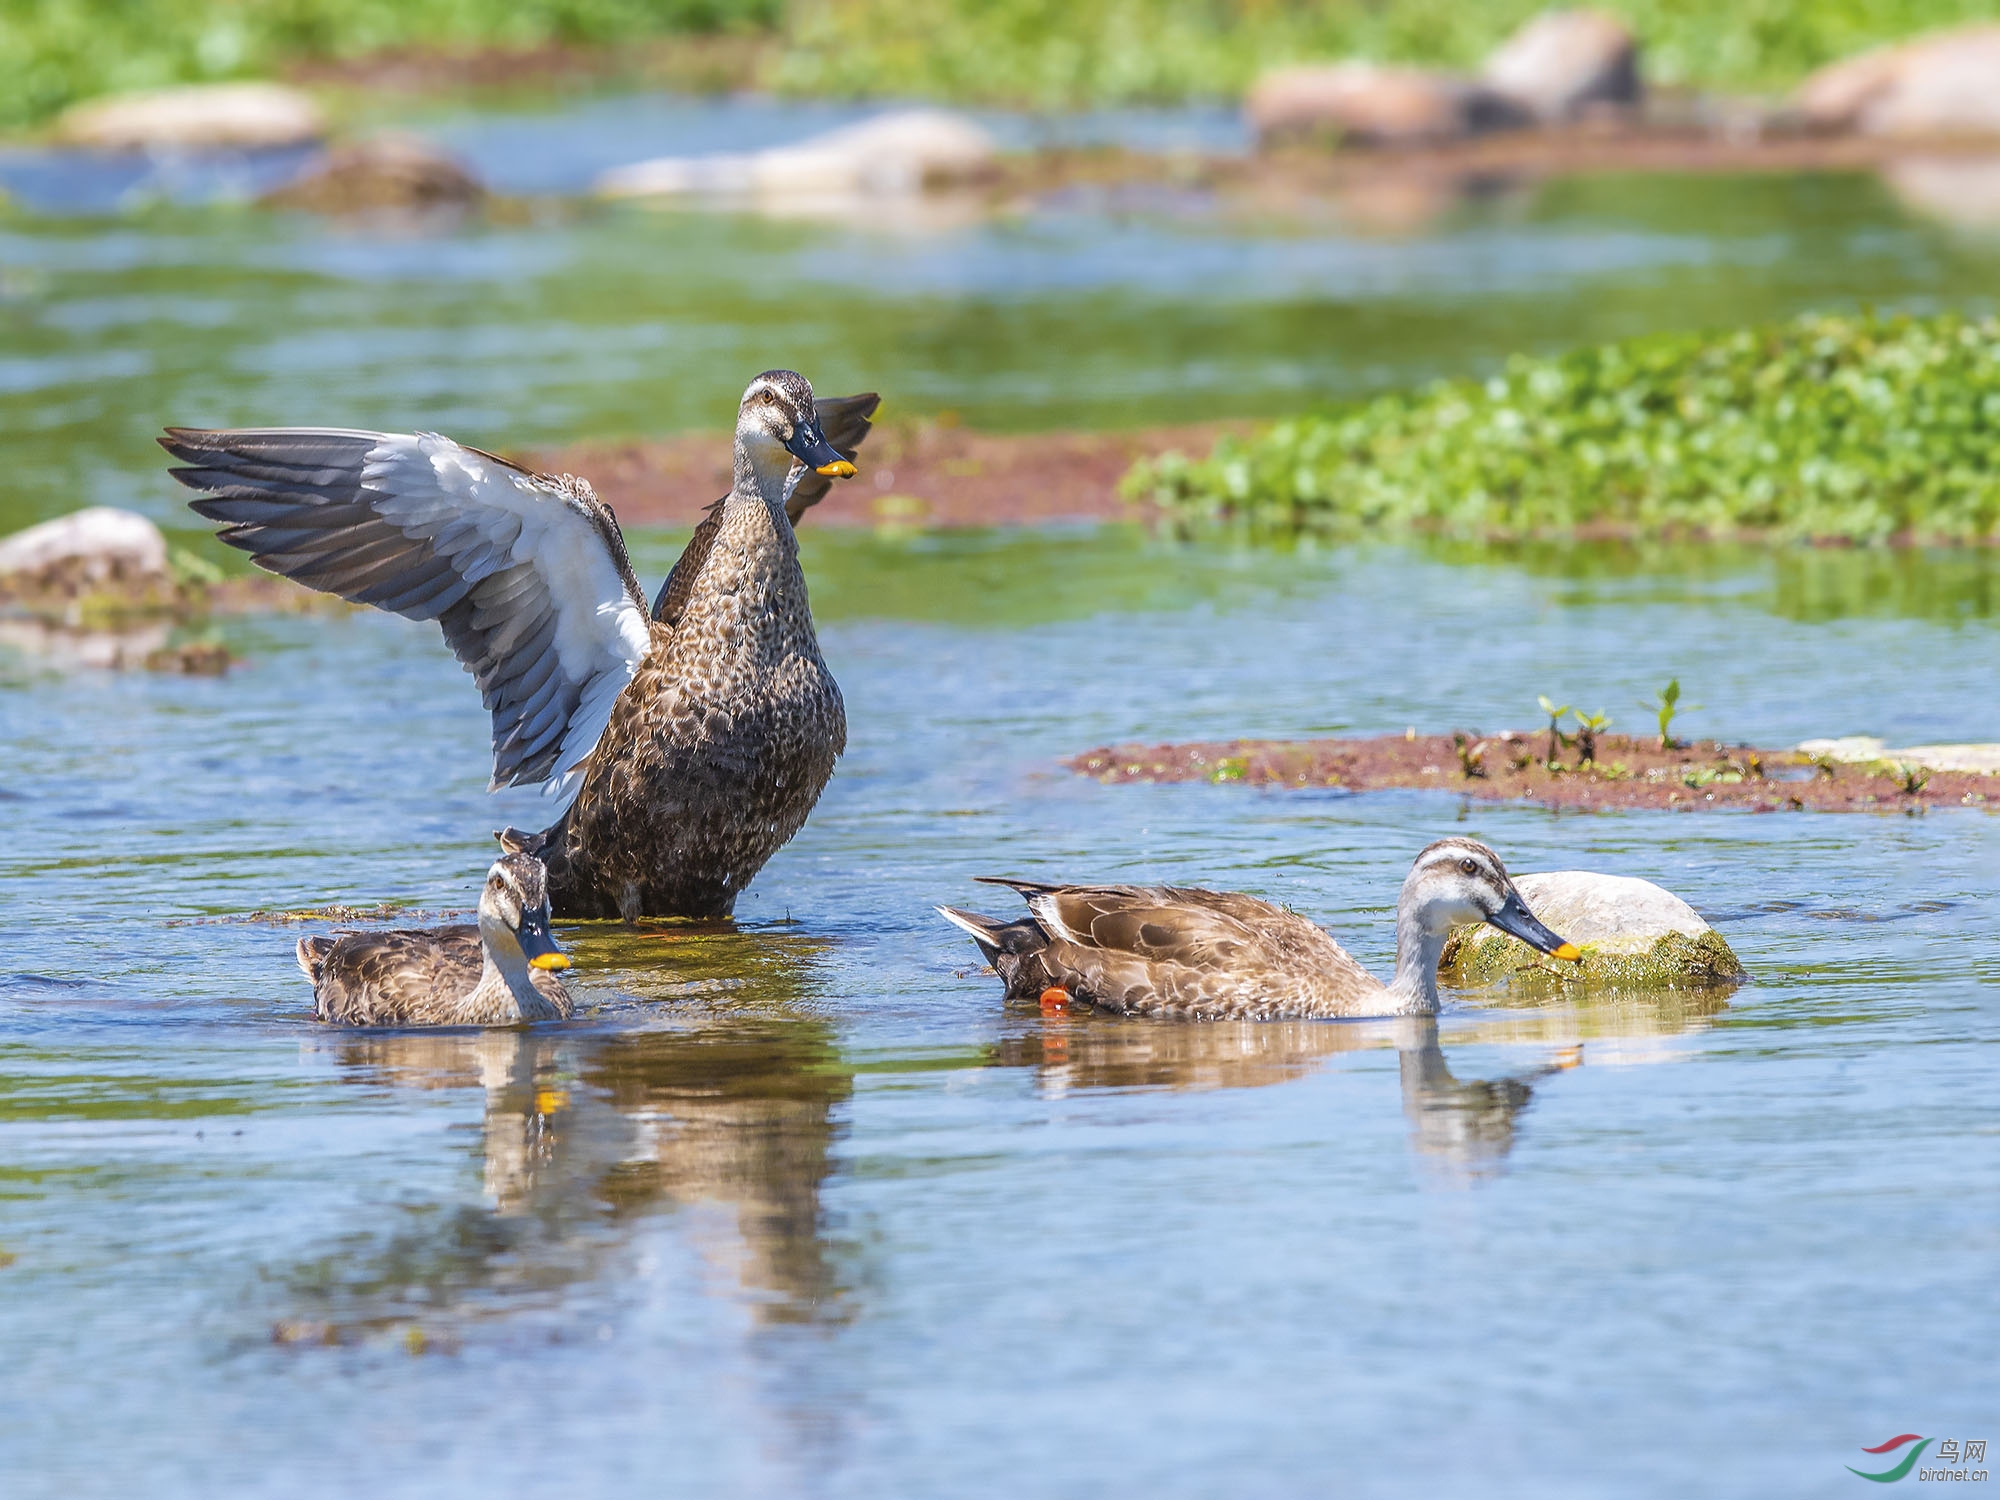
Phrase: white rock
x=889 y=155
x=205 y=115
x=1612 y=913
x=1944 y=84
x=105 y=537
x=1375 y=106
x=1977 y=758
x=1634 y=936
x=1564 y=61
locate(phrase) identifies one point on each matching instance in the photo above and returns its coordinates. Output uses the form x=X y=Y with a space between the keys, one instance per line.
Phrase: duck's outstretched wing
x=846 y=421
x=527 y=574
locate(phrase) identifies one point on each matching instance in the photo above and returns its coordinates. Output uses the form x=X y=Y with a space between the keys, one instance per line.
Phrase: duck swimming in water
x=691 y=740
x=1191 y=954
x=502 y=971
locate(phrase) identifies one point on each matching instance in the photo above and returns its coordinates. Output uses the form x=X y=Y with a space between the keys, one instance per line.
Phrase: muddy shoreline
x=939 y=476
x=1627 y=771
x=929 y=474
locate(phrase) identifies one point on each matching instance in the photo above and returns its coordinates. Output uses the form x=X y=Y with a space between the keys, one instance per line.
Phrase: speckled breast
x=714 y=755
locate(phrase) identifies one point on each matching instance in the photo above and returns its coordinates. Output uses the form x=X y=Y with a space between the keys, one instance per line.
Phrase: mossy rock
x=1633 y=934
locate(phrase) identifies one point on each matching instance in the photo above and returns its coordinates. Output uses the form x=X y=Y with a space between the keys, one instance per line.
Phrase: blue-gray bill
x=1516 y=920
x=809 y=446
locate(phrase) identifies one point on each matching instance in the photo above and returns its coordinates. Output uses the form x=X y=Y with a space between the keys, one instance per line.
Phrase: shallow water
x=800 y=1209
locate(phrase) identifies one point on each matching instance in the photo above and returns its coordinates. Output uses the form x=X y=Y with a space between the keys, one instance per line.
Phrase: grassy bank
x=1046 y=52
x=59 y=51
x=1852 y=428
x=1068 y=51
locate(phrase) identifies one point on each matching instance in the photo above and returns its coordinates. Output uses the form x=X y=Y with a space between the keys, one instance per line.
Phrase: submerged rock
x=1634 y=935
x=1564 y=63
x=1370 y=105
x=393 y=171
x=1944 y=84
x=214 y=115
x=889 y=155
x=1957 y=190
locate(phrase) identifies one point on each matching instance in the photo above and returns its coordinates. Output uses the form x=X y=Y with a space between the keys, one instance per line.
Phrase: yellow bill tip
x=550 y=961
x=1568 y=951
x=839 y=469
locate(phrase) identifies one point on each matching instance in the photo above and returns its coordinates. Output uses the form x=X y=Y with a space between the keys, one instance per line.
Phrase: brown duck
x=1212 y=955
x=502 y=971
x=689 y=742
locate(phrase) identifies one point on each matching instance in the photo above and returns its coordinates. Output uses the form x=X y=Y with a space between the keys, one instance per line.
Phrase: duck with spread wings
x=691 y=740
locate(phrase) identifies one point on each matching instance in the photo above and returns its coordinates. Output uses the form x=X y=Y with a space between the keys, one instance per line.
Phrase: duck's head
x=777 y=423
x=514 y=912
x=1456 y=881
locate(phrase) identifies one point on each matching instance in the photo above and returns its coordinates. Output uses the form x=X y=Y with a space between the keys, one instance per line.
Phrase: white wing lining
x=526 y=574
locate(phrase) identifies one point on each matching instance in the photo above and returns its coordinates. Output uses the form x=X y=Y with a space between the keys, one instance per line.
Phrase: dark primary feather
x=361 y=515
x=846 y=422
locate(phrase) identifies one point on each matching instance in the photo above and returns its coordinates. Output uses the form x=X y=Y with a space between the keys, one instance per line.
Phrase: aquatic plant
x=1557 y=739
x=1666 y=703
x=1471 y=755
x=1862 y=429
x=1588 y=728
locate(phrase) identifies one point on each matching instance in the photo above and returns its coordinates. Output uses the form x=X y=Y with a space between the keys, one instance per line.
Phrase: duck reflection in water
x=1467 y=1125
x=583 y=1136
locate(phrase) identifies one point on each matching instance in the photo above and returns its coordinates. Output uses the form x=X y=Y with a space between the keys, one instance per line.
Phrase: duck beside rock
x=1192 y=954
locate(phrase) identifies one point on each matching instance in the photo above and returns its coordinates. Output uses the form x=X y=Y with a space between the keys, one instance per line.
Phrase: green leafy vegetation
x=1666 y=703
x=1862 y=429
x=1107 y=51
x=1038 y=52
x=60 y=51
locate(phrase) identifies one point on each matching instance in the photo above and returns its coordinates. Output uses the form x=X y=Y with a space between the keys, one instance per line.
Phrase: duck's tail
x=1017 y=951
x=991 y=935
x=312 y=952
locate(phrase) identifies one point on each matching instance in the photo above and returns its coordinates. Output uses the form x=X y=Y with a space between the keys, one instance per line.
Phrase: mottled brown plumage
x=732 y=724
x=496 y=973
x=1182 y=952
x=694 y=742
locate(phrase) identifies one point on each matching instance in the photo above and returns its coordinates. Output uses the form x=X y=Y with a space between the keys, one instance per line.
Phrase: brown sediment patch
x=930 y=474
x=1628 y=772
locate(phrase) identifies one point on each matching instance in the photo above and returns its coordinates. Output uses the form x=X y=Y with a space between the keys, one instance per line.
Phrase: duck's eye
x=1470 y=866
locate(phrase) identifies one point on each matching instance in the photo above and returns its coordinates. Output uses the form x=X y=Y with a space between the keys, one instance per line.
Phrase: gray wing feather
x=527 y=575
